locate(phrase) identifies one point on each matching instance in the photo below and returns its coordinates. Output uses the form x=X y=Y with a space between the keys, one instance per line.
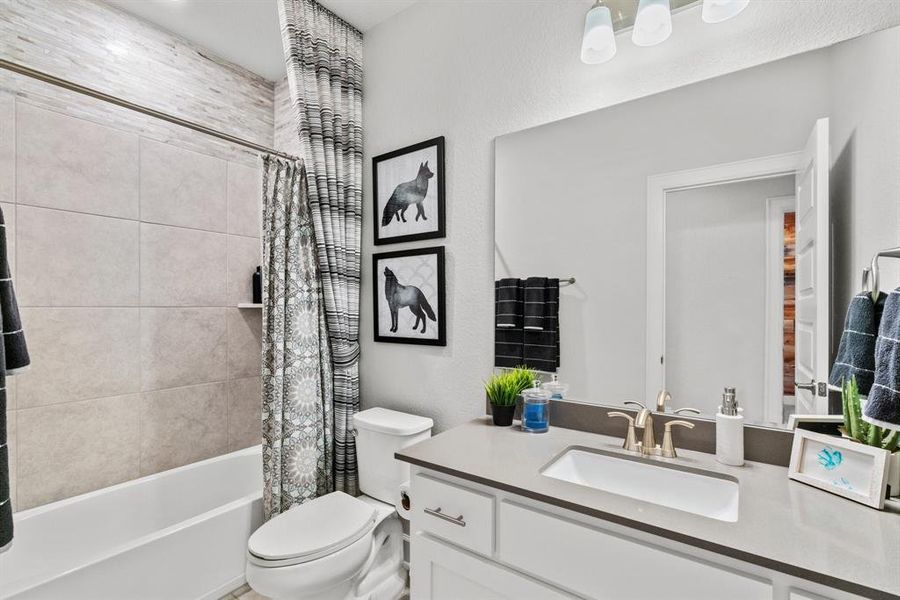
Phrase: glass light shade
x=599 y=42
x=653 y=23
x=716 y=11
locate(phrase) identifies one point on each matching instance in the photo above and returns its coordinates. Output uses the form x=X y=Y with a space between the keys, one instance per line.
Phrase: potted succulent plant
x=503 y=389
x=859 y=430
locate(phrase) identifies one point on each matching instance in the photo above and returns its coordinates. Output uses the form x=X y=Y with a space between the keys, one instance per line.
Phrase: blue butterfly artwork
x=830 y=458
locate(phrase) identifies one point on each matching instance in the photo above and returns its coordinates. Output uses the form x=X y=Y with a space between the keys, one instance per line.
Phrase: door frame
x=658 y=187
x=776 y=208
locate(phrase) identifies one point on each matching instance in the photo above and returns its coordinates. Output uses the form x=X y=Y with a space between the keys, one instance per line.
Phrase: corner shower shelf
x=248 y=305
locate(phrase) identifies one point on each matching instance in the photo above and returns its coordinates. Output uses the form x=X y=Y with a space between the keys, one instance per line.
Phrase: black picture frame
x=405 y=313
x=380 y=202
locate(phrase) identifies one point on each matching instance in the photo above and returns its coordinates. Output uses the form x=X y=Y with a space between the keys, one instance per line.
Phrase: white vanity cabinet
x=471 y=542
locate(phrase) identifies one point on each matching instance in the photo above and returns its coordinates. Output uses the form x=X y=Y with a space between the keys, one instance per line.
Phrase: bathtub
x=177 y=534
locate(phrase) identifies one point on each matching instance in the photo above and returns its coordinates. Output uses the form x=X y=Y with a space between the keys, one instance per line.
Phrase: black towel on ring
x=856 y=351
x=883 y=406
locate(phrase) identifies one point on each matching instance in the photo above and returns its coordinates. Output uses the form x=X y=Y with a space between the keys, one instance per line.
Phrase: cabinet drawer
x=454 y=513
x=601 y=565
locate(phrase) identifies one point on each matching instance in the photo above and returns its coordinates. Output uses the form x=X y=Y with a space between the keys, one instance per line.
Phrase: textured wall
x=131 y=242
x=497 y=67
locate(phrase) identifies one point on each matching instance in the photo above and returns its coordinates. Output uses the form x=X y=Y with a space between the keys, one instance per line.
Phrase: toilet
x=338 y=547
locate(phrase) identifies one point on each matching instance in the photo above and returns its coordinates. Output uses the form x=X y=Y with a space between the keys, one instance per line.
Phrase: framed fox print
x=408 y=187
x=409 y=305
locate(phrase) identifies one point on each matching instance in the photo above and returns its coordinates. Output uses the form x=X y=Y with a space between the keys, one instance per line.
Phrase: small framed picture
x=840 y=466
x=409 y=193
x=409 y=296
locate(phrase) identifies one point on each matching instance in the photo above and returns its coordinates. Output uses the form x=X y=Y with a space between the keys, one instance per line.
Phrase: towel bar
x=870 y=274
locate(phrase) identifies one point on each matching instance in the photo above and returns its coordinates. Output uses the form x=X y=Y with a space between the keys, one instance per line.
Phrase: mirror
x=716 y=232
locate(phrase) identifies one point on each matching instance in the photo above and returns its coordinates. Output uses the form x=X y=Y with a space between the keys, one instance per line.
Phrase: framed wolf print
x=409 y=193
x=409 y=296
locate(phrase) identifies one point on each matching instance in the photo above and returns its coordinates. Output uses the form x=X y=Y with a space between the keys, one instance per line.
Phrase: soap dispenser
x=730 y=430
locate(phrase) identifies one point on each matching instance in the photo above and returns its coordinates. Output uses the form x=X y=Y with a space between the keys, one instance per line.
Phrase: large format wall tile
x=7 y=147
x=70 y=449
x=12 y=443
x=9 y=218
x=244 y=343
x=12 y=392
x=80 y=353
x=181 y=187
x=72 y=164
x=71 y=259
x=182 y=425
x=182 y=267
x=182 y=346
x=244 y=255
x=244 y=413
x=244 y=200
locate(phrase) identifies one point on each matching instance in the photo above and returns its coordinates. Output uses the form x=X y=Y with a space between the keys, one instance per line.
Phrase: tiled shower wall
x=131 y=242
x=129 y=258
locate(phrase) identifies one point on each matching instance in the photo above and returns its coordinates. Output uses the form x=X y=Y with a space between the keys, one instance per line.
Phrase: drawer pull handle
x=436 y=512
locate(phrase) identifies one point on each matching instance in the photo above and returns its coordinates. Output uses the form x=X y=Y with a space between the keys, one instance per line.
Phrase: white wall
x=716 y=293
x=474 y=70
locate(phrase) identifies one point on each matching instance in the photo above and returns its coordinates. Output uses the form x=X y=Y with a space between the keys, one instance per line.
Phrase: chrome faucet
x=644 y=421
x=664 y=396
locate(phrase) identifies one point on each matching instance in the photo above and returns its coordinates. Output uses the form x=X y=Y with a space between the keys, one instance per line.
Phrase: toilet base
x=380 y=574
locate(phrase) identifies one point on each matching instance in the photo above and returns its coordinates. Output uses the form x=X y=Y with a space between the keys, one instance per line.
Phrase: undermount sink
x=703 y=493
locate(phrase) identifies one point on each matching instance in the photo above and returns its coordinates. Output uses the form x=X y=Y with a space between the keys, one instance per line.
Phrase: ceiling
x=246 y=32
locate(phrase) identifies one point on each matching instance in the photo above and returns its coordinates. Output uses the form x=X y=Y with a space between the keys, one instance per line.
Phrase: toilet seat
x=311 y=531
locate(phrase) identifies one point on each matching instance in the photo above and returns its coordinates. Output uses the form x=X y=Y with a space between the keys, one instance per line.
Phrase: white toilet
x=338 y=547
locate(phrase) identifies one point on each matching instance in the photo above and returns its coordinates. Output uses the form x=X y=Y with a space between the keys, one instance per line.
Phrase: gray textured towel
x=13 y=358
x=883 y=405
x=856 y=352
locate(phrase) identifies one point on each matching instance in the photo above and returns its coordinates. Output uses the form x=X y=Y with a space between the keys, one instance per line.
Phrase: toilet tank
x=379 y=434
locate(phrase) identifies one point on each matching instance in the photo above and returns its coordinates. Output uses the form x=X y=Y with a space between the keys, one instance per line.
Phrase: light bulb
x=716 y=11
x=599 y=42
x=653 y=23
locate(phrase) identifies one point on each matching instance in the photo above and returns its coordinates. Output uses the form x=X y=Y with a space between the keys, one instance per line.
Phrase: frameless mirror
x=716 y=232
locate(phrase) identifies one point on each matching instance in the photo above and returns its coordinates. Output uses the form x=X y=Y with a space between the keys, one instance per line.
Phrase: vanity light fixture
x=653 y=23
x=716 y=11
x=650 y=22
x=598 y=44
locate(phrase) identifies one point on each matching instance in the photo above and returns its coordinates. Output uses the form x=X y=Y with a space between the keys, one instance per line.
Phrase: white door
x=812 y=280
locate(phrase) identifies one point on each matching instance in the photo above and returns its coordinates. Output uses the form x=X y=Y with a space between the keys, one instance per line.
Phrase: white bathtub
x=177 y=534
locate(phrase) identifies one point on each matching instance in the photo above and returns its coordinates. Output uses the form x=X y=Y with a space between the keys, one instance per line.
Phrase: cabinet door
x=439 y=571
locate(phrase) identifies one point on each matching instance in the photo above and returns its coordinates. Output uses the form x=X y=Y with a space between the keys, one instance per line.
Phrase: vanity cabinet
x=470 y=541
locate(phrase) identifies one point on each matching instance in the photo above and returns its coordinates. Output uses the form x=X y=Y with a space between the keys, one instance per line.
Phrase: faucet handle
x=668 y=447
x=630 y=438
x=640 y=405
x=686 y=411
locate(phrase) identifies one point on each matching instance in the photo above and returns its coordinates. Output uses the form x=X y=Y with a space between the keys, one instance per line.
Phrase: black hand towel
x=883 y=405
x=541 y=324
x=856 y=351
x=13 y=358
x=508 y=337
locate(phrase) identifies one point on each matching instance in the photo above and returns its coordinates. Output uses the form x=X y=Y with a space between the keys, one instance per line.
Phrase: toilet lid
x=314 y=529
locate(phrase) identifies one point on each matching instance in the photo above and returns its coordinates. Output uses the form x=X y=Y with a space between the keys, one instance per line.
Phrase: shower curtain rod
x=158 y=114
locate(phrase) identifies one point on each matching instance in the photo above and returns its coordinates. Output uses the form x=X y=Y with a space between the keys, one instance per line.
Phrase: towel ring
x=871 y=274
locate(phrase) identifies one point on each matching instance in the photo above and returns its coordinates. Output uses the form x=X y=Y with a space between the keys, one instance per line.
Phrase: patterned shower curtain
x=298 y=418
x=324 y=73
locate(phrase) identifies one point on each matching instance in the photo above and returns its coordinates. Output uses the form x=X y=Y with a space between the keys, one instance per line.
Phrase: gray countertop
x=782 y=524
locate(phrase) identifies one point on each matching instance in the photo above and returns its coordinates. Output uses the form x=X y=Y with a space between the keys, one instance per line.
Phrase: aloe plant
x=858 y=429
x=503 y=388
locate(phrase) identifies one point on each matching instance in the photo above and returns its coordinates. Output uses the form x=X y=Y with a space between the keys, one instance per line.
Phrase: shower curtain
x=296 y=373
x=324 y=73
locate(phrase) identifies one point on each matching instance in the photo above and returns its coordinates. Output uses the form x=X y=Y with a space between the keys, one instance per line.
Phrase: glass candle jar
x=535 y=410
